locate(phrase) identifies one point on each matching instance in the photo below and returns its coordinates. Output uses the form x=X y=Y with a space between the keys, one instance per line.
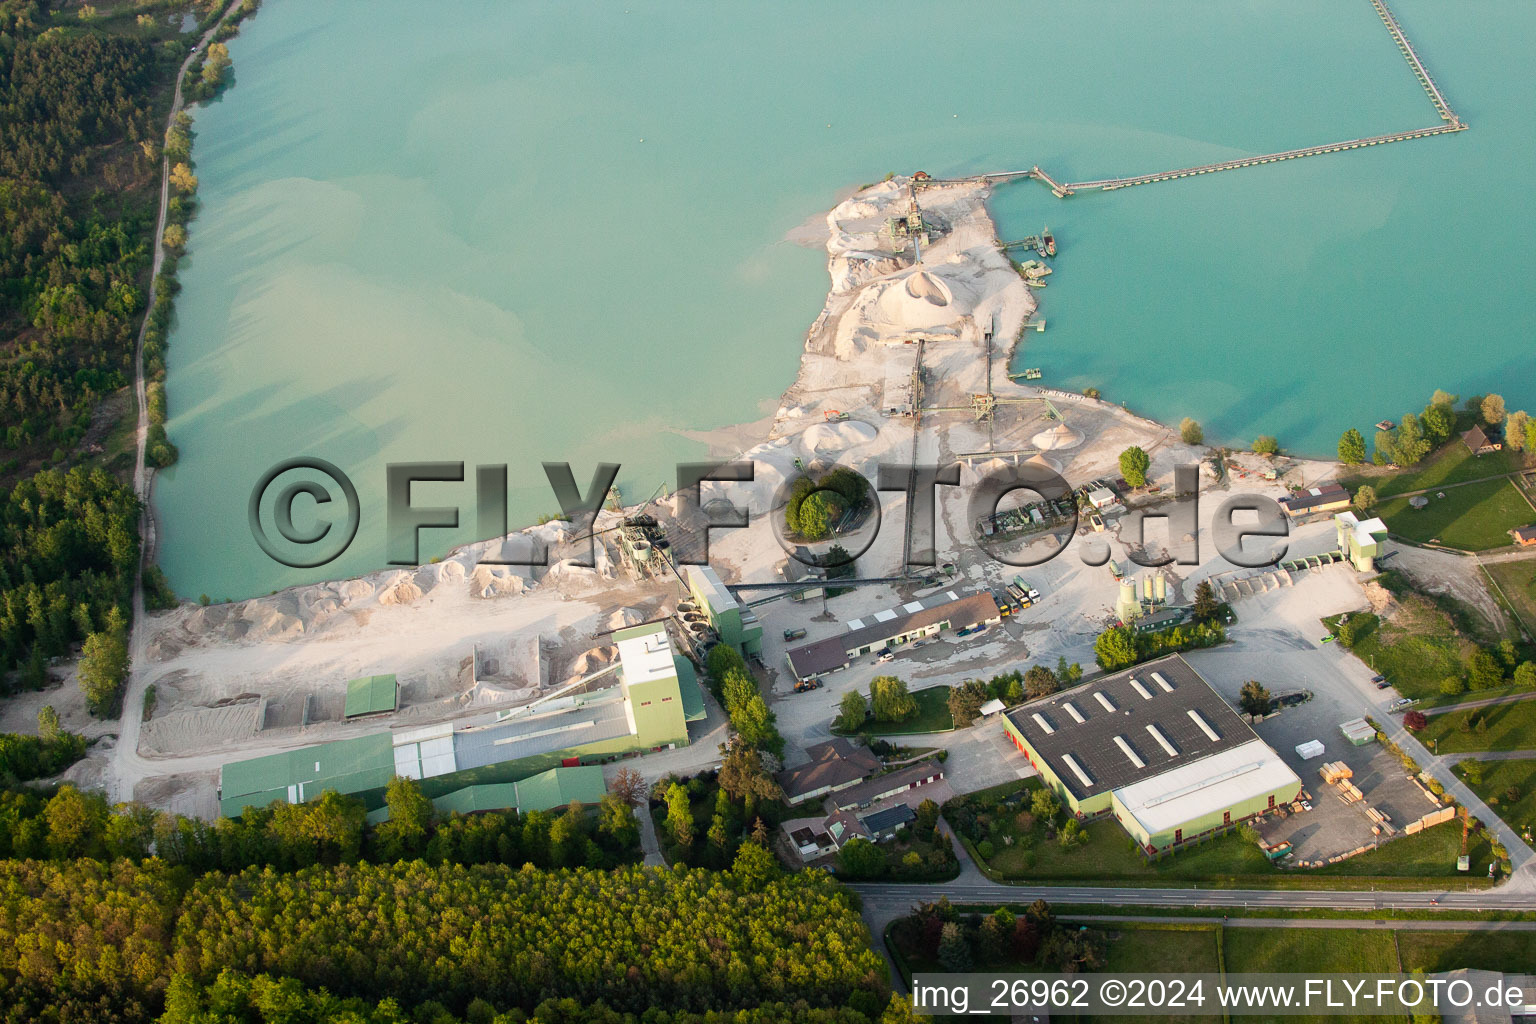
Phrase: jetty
x=1110 y=184
x=1450 y=123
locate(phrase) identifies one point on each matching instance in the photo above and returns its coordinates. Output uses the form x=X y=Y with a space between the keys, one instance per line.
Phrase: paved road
x=125 y=766
x=1458 y=483
x=1342 y=923
x=1496 y=755
x=1513 y=698
x=899 y=897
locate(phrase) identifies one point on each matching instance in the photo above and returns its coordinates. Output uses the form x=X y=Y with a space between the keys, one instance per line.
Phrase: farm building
x=1155 y=747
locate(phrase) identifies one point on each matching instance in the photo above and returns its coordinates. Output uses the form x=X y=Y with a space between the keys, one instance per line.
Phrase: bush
x=985 y=849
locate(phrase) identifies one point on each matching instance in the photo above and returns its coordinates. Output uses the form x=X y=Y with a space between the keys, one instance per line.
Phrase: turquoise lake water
x=516 y=235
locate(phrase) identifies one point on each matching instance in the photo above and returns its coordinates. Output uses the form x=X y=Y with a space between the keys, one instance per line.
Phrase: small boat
x=1050 y=242
x=1385 y=425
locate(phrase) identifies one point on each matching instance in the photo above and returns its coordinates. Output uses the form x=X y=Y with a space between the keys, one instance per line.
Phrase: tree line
x=939 y=932
x=69 y=823
x=736 y=688
x=1418 y=434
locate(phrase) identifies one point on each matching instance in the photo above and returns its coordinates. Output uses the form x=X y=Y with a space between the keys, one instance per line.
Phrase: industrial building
x=732 y=621
x=911 y=621
x=655 y=697
x=1156 y=747
x=556 y=788
x=1360 y=541
x=1329 y=497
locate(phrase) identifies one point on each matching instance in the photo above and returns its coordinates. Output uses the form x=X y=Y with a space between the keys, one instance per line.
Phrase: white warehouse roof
x=1224 y=779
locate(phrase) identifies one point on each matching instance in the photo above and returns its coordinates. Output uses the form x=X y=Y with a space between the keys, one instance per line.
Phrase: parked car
x=1402 y=702
x=886 y=655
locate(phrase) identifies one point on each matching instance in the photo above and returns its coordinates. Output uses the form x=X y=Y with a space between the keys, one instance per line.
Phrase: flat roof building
x=648 y=709
x=1157 y=748
x=910 y=621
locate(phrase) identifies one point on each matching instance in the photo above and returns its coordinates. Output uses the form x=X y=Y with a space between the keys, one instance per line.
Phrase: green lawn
x=1474 y=517
x=1416 y=652
x=1430 y=855
x=1155 y=949
x=932 y=716
x=1517 y=582
x=1504 y=727
x=1453 y=463
x=1495 y=789
x=1509 y=951
x=1108 y=857
x=1257 y=950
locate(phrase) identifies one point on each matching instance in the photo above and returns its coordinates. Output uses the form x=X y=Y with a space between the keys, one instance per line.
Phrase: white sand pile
x=1041 y=460
x=403 y=592
x=355 y=590
x=275 y=616
x=836 y=437
x=206 y=620
x=773 y=462
x=1057 y=438
x=923 y=285
x=923 y=300
x=489 y=581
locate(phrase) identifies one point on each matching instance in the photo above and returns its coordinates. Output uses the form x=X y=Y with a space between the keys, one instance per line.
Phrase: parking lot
x=1287 y=657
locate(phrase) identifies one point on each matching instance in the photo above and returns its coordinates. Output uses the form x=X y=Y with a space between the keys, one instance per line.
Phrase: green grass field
x=1503 y=780
x=1453 y=463
x=1505 y=727
x=932 y=716
x=1510 y=951
x=1416 y=652
x=1474 y=517
x=1422 y=861
x=1517 y=582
